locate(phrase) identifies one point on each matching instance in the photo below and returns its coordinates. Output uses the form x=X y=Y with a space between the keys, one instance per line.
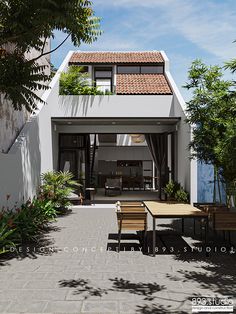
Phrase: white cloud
x=209 y=25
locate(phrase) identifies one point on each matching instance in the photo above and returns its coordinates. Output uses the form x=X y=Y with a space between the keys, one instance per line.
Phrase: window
x=103 y=72
x=140 y=69
x=104 y=85
x=147 y=69
x=83 y=68
x=128 y=69
x=103 y=79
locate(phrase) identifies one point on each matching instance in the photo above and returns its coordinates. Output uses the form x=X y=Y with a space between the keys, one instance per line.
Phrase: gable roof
x=116 y=57
x=133 y=84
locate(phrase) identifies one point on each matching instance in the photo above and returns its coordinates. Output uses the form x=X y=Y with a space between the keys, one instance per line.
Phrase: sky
x=184 y=29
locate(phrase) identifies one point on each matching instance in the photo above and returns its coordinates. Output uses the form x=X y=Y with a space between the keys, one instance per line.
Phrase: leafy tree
x=211 y=112
x=75 y=82
x=29 y=24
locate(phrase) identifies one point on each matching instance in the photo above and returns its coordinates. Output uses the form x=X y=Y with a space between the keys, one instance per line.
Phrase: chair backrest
x=131 y=208
x=132 y=220
x=208 y=205
x=124 y=203
x=224 y=221
x=116 y=182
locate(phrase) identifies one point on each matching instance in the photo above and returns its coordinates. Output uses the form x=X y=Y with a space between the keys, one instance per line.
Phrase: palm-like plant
x=8 y=233
x=57 y=186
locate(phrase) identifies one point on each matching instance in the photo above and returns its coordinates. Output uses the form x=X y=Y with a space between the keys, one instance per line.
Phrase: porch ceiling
x=115 y=125
x=116 y=121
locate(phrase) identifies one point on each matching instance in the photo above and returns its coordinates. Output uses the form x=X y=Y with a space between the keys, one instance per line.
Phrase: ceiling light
x=137 y=138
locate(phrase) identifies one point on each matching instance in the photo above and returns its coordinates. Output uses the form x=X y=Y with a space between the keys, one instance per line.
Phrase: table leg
x=194 y=226
x=182 y=225
x=154 y=237
x=206 y=231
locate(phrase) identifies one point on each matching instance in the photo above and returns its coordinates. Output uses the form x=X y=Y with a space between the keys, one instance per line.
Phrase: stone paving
x=76 y=269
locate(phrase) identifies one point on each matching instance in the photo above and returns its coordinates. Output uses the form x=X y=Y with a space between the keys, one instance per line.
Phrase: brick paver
x=74 y=272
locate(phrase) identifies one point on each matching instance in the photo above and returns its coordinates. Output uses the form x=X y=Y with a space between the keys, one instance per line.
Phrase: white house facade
x=142 y=100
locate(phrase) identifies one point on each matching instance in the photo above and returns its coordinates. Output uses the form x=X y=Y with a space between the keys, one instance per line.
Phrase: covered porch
x=98 y=149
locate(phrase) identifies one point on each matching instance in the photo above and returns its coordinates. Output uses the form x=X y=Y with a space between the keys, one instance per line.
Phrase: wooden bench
x=224 y=221
x=131 y=219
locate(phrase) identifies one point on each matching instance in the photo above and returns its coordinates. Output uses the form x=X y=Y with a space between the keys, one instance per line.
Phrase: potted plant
x=181 y=196
x=170 y=189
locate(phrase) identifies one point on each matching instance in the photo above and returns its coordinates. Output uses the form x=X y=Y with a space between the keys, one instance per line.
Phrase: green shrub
x=8 y=233
x=28 y=221
x=75 y=82
x=176 y=192
x=182 y=196
x=46 y=209
x=57 y=186
x=171 y=188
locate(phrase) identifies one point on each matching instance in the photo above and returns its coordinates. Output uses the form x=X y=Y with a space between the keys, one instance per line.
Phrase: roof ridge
x=117 y=51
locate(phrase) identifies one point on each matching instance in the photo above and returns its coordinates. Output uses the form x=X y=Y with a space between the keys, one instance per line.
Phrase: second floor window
x=140 y=69
x=103 y=78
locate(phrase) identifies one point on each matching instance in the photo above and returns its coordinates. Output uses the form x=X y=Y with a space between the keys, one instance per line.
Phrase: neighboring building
x=103 y=136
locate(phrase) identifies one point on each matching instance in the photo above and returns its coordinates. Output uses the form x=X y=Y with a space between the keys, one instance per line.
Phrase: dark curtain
x=157 y=144
x=87 y=164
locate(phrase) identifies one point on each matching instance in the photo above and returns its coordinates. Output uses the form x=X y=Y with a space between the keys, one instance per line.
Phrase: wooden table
x=174 y=210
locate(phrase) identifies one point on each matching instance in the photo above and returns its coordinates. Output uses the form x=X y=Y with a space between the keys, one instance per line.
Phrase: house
x=135 y=128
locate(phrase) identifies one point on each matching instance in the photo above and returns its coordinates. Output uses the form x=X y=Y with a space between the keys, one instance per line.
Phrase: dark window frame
x=140 y=65
x=102 y=69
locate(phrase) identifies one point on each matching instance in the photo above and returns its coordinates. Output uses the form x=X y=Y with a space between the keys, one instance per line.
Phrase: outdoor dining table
x=174 y=210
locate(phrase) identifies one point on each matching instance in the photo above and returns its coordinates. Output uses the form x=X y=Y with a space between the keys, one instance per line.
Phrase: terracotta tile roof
x=142 y=84
x=116 y=57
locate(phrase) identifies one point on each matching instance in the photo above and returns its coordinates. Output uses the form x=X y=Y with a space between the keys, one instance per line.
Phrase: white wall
x=186 y=170
x=20 y=168
x=113 y=106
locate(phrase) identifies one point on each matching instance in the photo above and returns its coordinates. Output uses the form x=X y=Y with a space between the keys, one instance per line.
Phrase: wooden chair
x=132 y=208
x=224 y=221
x=127 y=203
x=131 y=219
x=209 y=208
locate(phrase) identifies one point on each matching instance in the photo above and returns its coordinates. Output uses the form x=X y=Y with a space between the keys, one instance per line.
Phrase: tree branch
x=51 y=51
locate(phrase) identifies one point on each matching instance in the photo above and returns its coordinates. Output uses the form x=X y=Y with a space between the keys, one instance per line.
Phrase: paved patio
x=72 y=270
